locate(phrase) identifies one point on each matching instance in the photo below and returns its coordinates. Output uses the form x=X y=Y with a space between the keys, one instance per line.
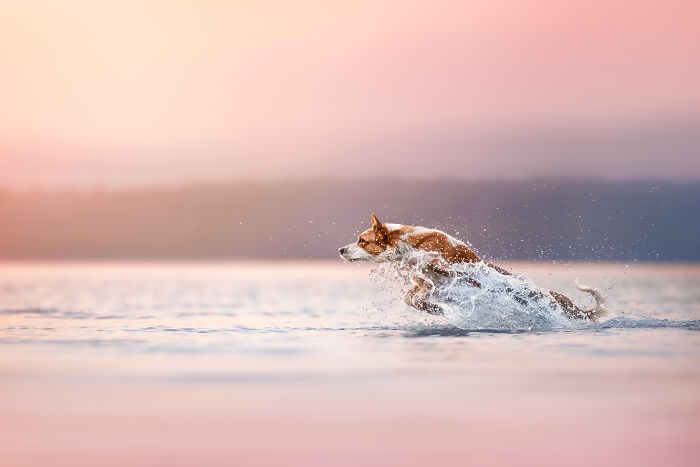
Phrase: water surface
x=314 y=362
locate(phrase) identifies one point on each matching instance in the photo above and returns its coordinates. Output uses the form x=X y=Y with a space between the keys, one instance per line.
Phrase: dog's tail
x=598 y=309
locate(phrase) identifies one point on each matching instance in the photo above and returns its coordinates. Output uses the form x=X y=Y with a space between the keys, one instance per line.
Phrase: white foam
x=501 y=303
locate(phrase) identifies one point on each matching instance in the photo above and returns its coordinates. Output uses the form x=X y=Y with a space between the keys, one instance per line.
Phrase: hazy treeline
x=565 y=220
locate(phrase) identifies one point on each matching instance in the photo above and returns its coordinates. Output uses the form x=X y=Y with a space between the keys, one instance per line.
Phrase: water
x=476 y=297
x=321 y=363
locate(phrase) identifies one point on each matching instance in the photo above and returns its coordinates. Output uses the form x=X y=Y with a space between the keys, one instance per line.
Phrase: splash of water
x=502 y=302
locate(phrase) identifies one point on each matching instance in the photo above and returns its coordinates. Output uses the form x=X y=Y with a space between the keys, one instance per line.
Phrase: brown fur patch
x=377 y=239
x=395 y=235
x=371 y=243
x=439 y=243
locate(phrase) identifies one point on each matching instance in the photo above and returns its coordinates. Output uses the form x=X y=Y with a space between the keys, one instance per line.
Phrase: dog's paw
x=434 y=309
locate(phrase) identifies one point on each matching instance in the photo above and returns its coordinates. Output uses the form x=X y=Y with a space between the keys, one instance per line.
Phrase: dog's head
x=372 y=244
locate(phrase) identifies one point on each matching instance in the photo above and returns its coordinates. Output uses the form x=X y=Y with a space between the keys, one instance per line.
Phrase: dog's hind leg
x=572 y=311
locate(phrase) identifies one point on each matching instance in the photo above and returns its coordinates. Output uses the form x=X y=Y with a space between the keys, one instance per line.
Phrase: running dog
x=396 y=243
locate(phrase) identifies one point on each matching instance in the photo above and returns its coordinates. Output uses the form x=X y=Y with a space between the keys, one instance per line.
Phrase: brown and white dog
x=396 y=243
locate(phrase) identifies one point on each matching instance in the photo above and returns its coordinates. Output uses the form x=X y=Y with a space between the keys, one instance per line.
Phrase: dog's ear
x=380 y=230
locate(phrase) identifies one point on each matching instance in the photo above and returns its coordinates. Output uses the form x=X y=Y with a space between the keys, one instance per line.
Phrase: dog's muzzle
x=344 y=253
x=353 y=252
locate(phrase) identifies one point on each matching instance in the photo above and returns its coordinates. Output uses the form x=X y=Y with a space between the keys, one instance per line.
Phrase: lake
x=320 y=363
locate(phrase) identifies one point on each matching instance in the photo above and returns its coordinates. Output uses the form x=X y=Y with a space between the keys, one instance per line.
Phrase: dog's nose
x=342 y=250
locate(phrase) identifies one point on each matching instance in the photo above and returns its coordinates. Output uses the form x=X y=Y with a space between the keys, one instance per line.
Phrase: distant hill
x=563 y=220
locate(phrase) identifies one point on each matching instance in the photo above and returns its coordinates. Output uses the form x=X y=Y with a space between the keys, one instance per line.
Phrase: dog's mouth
x=346 y=258
x=353 y=260
x=350 y=254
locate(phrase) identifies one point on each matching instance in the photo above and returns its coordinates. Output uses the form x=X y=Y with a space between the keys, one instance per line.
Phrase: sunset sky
x=146 y=92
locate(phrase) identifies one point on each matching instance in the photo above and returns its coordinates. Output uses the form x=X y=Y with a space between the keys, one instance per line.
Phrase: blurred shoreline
x=563 y=220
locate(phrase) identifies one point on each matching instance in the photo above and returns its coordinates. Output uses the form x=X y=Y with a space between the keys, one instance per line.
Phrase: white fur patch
x=354 y=253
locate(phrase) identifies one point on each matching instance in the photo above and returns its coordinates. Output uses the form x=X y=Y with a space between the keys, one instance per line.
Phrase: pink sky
x=135 y=92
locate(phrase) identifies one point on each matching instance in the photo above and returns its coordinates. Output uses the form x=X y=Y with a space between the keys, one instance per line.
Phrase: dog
x=399 y=243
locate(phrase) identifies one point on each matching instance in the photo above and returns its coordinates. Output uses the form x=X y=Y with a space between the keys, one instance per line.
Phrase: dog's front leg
x=418 y=296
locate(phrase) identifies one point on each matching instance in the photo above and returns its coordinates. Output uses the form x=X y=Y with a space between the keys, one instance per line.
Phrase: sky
x=121 y=93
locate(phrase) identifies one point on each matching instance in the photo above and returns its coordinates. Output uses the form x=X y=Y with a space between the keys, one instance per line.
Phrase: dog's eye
x=361 y=241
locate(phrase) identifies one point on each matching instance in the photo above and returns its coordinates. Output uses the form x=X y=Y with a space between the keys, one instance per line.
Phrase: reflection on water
x=219 y=361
